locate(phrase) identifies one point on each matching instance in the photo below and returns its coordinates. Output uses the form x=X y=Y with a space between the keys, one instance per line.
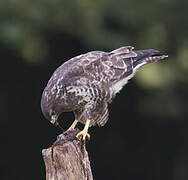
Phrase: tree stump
x=67 y=159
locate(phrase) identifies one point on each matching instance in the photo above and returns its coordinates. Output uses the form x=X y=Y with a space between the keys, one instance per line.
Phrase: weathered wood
x=67 y=159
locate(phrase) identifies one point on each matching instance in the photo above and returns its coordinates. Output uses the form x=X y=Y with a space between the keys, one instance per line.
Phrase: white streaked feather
x=119 y=85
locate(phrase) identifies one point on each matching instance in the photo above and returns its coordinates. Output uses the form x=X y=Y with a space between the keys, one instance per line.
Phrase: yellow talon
x=82 y=135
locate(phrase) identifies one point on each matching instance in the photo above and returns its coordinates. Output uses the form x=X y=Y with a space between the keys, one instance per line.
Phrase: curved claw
x=82 y=135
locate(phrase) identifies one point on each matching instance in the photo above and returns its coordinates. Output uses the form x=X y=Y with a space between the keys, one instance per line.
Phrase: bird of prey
x=87 y=83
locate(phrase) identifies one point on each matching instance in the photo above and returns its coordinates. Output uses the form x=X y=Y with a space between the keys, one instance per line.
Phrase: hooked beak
x=54 y=120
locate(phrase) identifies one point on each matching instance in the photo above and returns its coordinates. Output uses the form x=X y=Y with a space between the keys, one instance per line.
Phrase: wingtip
x=165 y=56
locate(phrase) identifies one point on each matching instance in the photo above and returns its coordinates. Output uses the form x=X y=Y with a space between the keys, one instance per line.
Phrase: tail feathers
x=146 y=53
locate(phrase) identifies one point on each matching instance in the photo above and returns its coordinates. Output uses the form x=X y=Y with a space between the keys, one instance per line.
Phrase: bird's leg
x=84 y=133
x=73 y=125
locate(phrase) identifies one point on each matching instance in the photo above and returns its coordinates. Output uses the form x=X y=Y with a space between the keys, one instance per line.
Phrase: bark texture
x=67 y=159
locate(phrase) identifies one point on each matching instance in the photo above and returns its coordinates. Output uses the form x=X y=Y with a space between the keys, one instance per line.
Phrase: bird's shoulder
x=77 y=63
x=101 y=59
x=96 y=65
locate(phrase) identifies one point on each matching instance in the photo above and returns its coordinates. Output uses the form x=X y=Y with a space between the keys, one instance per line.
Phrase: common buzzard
x=87 y=83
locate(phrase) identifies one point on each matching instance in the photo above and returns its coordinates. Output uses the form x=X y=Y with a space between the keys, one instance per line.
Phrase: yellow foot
x=82 y=135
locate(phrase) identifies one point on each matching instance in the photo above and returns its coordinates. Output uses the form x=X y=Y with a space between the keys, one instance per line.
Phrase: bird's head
x=50 y=110
x=145 y=56
x=50 y=114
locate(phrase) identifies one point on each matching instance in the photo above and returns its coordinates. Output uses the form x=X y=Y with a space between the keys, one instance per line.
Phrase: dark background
x=146 y=137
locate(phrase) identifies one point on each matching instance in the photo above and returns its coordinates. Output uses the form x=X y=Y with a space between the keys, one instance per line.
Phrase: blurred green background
x=146 y=137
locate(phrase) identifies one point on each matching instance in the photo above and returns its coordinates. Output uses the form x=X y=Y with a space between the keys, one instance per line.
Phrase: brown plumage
x=87 y=83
